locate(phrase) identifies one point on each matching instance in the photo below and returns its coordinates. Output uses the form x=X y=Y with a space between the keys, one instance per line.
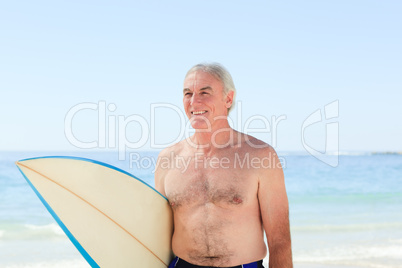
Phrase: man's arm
x=160 y=174
x=275 y=212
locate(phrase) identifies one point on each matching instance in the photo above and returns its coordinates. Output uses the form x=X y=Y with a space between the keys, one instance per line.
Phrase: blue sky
x=287 y=58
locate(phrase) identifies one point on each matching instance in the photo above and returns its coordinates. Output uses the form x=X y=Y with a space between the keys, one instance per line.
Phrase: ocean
x=344 y=216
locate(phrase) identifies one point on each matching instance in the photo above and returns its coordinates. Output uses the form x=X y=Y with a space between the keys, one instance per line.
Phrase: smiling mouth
x=198 y=112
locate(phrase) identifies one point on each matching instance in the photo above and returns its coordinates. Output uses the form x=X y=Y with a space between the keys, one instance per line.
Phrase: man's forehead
x=201 y=80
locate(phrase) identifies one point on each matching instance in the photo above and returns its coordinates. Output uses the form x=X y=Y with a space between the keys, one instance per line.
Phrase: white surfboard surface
x=113 y=218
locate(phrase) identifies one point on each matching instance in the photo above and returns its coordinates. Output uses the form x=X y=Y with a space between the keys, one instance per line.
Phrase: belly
x=218 y=234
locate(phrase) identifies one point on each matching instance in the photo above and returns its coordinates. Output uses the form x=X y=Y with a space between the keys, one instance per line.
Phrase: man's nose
x=194 y=98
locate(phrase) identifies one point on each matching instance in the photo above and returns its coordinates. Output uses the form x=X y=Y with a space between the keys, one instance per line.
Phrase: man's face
x=204 y=100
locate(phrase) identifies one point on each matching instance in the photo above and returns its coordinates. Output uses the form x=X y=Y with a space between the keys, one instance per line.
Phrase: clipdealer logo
x=112 y=129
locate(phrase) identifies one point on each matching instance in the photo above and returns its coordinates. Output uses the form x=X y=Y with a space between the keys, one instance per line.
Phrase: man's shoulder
x=254 y=145
x=264 y=156
x=256 y=148
x=174 y=149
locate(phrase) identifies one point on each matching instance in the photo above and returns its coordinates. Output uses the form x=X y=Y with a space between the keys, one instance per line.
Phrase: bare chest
x=201 y=184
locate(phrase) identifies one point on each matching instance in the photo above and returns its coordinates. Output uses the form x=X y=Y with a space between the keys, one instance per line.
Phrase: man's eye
x=187 y=94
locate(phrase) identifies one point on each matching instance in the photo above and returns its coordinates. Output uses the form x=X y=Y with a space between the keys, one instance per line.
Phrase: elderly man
x=225 y=187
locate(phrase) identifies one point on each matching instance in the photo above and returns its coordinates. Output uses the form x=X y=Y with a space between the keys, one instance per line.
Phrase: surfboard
x=113 y=218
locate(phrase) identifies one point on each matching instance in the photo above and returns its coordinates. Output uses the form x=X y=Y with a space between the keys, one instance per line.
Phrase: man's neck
x=208 y=142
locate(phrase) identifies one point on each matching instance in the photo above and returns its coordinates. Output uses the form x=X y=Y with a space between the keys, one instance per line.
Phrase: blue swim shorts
x=180 y=263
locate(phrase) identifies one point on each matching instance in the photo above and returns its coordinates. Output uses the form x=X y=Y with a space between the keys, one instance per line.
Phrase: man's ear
x=229 y=99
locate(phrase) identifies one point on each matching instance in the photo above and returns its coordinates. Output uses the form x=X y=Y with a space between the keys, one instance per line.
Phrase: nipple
x=237 y=200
